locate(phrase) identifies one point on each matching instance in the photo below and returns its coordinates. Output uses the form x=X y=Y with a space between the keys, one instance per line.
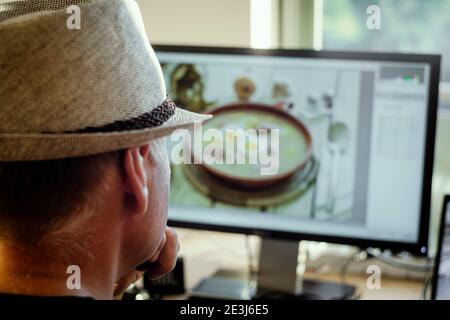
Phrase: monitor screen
x=441 y=280
x=351 y=143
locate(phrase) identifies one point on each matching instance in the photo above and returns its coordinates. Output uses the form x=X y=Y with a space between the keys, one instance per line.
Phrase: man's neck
x=26 y=270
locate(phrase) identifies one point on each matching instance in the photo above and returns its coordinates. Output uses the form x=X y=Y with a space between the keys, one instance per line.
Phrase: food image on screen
x=316 y=166
x=252 y=118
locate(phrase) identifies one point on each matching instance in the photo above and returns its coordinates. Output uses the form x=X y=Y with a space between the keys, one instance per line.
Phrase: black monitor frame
x=421 y=246
x=437 y=259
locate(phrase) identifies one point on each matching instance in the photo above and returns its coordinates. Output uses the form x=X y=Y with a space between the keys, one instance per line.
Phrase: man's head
x=84 y=176
x=42 y=202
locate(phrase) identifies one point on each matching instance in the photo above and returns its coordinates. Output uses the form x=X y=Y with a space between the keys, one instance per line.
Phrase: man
x=84 y=173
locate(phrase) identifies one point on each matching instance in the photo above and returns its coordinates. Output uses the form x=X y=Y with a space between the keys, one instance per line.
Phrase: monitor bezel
x=420 y=247
x=437 y=259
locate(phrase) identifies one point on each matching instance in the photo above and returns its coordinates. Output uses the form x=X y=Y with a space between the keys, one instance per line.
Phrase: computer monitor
x=441 y=275
x=353 y=139
x=368 y=118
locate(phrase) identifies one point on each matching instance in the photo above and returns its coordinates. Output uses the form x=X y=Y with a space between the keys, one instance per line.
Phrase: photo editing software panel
x=364 y=122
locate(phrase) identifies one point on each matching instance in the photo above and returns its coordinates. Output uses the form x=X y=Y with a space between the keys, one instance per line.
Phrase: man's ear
x=136 y=177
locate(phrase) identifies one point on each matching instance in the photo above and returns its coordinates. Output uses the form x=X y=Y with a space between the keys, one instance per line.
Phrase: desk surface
x=207 y=252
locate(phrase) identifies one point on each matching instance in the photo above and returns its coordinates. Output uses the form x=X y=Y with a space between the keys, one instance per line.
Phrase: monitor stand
x=280 y=276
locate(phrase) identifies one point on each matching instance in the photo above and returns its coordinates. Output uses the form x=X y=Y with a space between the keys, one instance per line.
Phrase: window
x=406 y=26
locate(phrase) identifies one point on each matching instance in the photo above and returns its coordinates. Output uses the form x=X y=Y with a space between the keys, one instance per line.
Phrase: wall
x=197 y=22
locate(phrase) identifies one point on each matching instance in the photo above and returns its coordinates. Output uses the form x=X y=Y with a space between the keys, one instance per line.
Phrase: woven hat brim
x=36 y=146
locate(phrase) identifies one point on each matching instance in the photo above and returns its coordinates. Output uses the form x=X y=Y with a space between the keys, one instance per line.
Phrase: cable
x=426 y=284
x=344 y=268
x=427 y=281
x=343 y=276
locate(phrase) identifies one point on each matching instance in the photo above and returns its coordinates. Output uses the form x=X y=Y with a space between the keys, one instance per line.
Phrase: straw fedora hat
x=74 y=92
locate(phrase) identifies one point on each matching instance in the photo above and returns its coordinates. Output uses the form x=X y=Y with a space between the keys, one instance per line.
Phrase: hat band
x=153 y=118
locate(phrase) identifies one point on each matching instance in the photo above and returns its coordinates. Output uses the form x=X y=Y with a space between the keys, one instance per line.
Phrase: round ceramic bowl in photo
x=283 y=157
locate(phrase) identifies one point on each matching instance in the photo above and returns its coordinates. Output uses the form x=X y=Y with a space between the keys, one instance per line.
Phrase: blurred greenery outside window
x=420 y=26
